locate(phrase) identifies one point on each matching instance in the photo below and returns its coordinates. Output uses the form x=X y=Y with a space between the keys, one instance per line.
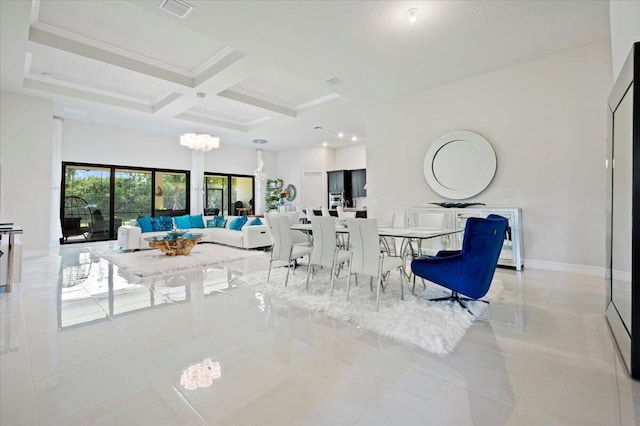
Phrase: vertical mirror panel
x=241 y=195
x=86 y=204
x=170 y=194
x=622 y=209
x=132 y=195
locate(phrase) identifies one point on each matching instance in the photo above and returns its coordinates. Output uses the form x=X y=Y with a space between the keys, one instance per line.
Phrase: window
x=228 y=194
x=97 y=199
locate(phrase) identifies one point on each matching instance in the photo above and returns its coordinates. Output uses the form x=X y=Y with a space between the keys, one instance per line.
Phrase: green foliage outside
x=133 y=191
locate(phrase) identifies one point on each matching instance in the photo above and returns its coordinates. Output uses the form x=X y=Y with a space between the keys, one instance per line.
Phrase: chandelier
x=200 y=141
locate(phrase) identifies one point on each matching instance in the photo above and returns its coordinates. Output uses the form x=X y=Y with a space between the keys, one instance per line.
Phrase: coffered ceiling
x=272 y=70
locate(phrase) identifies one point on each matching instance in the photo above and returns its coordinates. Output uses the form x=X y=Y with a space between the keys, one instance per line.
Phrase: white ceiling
x=263 y=64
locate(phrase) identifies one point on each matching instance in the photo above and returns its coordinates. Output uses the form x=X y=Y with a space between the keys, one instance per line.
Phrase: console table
x=11 y=231
x=455 y=218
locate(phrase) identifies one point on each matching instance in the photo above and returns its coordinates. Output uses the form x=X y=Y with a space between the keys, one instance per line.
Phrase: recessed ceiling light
x=340 y=135
x=324 y=144
x=355 y=138
x=317 y=128
x=412 y=15
x=260 y=141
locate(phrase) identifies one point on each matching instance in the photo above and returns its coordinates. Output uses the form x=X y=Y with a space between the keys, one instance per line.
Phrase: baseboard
x=597 y=271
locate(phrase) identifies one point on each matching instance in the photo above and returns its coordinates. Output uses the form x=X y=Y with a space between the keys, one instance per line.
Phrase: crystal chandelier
x=200 y=141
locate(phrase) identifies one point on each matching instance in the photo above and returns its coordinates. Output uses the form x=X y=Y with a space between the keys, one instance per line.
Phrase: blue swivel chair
x=469 y=271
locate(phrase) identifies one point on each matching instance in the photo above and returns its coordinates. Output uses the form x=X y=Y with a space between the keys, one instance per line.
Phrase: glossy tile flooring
x=81 y=345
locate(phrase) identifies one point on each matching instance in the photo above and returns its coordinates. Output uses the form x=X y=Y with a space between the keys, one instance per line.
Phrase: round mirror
x=291 y=192
x=459 y=165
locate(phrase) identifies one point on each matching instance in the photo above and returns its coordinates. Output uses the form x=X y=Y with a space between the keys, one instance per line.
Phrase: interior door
x=312 y=189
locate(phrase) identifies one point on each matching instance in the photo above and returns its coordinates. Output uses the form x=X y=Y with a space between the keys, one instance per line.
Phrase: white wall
x=26 y=128
x=351 y=158
x=545 y=119
x=93 y=143
x=289 y=169
x=625 y=30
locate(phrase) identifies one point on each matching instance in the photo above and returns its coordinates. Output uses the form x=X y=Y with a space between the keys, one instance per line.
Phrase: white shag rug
x=436 y=327
x=154 y=262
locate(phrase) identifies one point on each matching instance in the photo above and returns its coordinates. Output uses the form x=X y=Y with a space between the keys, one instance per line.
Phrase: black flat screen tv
x=622 y=265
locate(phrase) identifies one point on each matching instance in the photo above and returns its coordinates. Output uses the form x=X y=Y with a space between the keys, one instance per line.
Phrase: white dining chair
x=298 y=237
x=342 y=238
x=325 y=211
x=283 y=248
x=435 y=222
x=367 y=259
x=388 y=244
x=325 y=252
x=302 y=215
x=310 y=214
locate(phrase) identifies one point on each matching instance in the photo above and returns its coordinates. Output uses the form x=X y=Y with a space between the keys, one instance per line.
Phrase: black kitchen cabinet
x=339 y=181
x=358 y=182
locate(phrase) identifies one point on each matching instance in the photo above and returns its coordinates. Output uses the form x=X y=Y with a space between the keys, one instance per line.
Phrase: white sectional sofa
x=131 y=237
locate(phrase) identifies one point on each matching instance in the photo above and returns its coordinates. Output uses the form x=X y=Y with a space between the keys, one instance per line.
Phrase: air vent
x=176 y=7
x=333 y=81
x=259 y=141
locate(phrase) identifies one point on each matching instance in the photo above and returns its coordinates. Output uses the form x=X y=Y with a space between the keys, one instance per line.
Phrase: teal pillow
x=255 y=221
x=145 y=224
x=219 y=222
x=197 y=221
x=211 y=223
x=183 y=222
x=237 y=223
x=162 y=223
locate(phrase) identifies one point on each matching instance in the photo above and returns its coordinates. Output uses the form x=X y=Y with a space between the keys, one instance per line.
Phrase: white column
x=260 y=180
x=55 y=228
x=197 y=180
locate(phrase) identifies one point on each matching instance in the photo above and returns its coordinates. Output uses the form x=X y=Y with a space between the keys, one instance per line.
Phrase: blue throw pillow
x=162 y=223
x=255 y=221
x=219 y=222
x=237 y=223
x=183 y=222
x=211 y=223
x=145 y=224
x=197 y=221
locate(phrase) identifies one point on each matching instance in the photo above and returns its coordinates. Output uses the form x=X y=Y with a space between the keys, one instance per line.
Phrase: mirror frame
x=481 y=151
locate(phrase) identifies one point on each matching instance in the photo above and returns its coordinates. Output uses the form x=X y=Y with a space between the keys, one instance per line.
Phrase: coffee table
x=175 y=245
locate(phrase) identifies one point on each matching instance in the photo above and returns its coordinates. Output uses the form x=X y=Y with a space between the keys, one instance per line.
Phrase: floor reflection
x=92 y=289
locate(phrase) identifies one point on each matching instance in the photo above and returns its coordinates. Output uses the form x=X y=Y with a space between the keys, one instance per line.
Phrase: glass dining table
x=408 y=235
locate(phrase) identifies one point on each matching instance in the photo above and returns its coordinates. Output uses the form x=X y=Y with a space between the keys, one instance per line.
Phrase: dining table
x=408 y=235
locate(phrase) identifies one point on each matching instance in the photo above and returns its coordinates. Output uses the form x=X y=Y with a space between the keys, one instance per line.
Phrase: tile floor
x=81 y=345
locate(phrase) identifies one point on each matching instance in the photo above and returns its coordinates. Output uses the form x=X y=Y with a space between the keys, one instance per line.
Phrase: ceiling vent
x=176 y=7
x=333 y=81
x=260 y=141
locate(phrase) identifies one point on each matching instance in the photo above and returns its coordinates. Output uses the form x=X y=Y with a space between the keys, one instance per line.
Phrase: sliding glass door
x=132 y=195
x=228 y=194
x=216 y=194
x=170 y=193
x=86 y=203
x=97 y=199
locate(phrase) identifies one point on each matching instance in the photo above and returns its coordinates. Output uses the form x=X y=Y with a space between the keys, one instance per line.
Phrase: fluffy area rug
x=436 y=327
x=154 y=262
